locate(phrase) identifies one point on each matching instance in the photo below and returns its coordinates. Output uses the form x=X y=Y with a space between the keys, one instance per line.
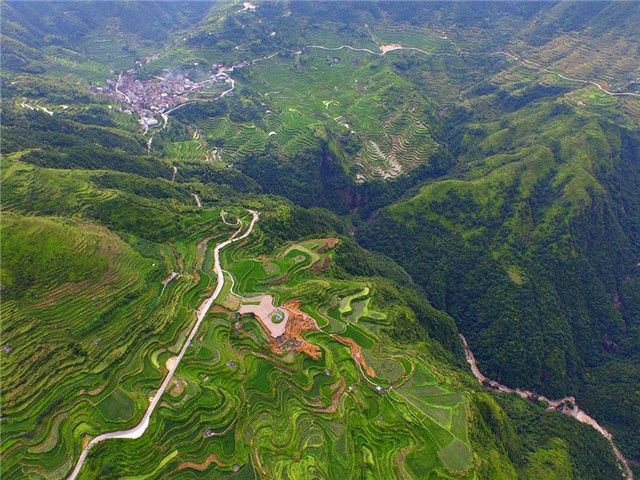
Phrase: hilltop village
x=159 y=95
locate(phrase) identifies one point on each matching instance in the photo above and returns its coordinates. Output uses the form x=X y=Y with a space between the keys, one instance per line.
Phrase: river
x=566 y=405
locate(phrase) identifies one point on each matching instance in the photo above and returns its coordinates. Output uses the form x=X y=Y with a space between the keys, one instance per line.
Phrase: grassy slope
x=268 y=406
x=106 y=313
x=158 y=223
x=84 y=310
x=433 y=405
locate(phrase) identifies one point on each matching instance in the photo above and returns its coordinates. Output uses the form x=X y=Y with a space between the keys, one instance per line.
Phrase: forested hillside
x=534 y=252
x=418 y=171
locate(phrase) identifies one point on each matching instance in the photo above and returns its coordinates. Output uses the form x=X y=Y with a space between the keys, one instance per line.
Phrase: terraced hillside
x=243 y=401
x=453 y=138
x=366 y=103
x=103 y=317
x=538 y=210
x=110 y=319
x=76 y=39
x=88 y=313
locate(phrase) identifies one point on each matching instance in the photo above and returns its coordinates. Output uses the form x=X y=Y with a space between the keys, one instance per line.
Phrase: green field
x=404 y=199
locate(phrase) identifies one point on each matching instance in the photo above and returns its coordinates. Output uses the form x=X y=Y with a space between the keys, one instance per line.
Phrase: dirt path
x=140 y=428
x=566 y=405
x=36 y=107
x=335 y=397
x=356 y=354
x=165 y=120
x=213 y=458
x=529 y=64
x=223 y=214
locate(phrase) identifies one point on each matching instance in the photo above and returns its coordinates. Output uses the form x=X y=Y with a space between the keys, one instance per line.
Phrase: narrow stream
x=566 y=405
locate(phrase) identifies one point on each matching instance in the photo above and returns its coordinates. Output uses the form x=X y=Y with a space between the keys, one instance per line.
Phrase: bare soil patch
x=335 y=398
x=321 y=265
x=213 y=458
x=356 y=354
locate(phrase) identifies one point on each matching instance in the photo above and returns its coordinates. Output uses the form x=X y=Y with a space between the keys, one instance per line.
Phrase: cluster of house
x=157 y=95
x=148 y=98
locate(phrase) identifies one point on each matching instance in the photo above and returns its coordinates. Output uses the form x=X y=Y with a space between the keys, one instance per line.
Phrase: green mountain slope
x=65 y=36
x=495 y=196
x=84 y=309
x=533 y=251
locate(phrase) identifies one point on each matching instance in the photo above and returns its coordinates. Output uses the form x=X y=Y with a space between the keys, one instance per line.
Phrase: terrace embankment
x=335 y=397
x=172 y=364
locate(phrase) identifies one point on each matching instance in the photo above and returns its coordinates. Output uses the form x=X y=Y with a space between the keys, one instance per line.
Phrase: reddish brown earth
x=285 y=336
x=93 y=392
x=218 y=309
x=328 y=244
x=297 y=323
x=356 y=354
x=281 y=280
x=321 y=265
x=335 y=398
x=85 y=441
x=178 y=388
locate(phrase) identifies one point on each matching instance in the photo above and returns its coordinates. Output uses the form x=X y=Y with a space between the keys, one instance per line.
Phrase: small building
x=169 y=277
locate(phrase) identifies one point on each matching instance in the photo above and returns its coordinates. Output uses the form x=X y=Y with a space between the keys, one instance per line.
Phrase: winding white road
x=126 y=97
x=223 y=214
x=140 y=428
x=564 y=77
x=461 y=53
x=383 y=53
x=165 y=115
x=524 y=62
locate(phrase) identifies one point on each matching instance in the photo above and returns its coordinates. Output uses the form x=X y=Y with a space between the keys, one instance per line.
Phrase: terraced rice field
x=187 y=150
x=241 y=409
x=400 y=411
x=241 y=405
x=425 y=39
x=238 y=140
x=354 y=93
x=105 y=328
